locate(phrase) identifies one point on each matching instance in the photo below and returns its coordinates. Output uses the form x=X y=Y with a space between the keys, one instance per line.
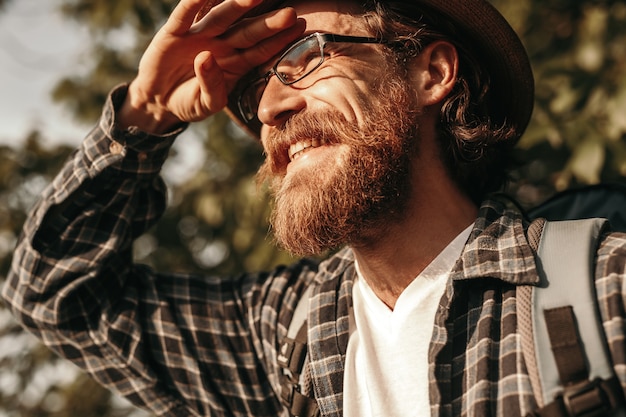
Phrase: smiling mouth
x=299 y=148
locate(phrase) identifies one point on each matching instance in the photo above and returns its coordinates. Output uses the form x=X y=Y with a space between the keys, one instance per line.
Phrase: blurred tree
x=33 y=381
x=216 y=220
x=578 y=132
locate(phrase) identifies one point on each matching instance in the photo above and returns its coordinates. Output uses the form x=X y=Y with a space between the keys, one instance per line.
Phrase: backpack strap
x=292 y=358
x=564 y=303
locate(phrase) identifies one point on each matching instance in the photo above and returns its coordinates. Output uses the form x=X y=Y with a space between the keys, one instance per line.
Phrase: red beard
x=360 y=191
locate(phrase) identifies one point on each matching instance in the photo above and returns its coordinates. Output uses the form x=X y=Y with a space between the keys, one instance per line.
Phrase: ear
x=435 y=71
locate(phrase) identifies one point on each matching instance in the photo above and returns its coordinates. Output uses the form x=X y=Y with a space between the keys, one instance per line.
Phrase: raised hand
x=192 y=64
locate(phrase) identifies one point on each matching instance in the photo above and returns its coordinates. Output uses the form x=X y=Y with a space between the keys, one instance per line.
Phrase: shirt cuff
x=133 y=150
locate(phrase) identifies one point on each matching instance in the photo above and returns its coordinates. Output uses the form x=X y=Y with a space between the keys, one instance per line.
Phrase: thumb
x=213 y=94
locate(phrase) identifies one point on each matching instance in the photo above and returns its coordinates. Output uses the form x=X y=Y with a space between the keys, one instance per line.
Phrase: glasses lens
x=250 y=98
x=300 y=60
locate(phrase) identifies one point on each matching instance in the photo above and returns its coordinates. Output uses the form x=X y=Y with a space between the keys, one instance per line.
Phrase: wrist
x=144 y=114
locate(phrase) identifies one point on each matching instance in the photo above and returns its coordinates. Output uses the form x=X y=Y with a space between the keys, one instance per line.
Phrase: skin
x=207 y=64
x=186 y=75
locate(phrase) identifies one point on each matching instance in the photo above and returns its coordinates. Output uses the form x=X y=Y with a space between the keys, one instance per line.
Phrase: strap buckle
x=291 y=356
x=587 y=399
x=285 y=352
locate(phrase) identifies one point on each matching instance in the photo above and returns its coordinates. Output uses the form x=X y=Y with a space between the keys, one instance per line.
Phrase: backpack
x=564 y=347
x=565 y=350
x=560 y=329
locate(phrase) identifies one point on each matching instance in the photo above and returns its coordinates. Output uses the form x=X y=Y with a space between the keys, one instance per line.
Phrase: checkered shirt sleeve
x=176 y=345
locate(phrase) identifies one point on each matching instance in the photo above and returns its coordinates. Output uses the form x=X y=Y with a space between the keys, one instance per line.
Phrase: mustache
x=327 y=128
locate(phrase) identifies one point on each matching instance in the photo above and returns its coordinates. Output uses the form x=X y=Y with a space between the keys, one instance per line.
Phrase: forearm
x=108 y=192
x=72 y=281
x=178 y=345
x=145 y=114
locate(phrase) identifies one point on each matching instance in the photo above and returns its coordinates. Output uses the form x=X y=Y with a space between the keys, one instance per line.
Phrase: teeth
x=298 y=147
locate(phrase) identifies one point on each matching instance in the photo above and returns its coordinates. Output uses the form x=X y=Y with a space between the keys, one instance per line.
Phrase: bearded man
x=385 y=125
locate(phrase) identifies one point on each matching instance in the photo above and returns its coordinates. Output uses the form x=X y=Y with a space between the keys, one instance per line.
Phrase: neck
x=436 y=213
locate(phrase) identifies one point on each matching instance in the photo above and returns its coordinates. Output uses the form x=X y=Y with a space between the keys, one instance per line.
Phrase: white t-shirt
x=386 y=371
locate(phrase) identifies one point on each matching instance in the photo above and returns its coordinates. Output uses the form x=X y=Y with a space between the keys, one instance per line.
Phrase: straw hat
x=494 y=42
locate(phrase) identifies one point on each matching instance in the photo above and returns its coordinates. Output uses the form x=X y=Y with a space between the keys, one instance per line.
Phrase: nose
x=279 y=102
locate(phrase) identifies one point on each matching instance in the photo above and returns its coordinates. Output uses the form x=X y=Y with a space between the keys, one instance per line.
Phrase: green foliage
x=103 y=16
x=578 y=131
x=33 y=381
x=216 y=220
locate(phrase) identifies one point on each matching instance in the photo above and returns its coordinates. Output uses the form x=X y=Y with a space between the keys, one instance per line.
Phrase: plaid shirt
x=198 y=346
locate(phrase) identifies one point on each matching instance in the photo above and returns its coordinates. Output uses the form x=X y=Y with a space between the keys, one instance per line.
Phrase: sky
x=37 y=47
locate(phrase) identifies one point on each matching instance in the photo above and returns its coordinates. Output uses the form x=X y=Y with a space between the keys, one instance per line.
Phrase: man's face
x=338 y=143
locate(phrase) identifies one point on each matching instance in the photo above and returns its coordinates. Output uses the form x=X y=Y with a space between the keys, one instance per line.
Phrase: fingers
x=232 y=47
x=268 y=33
x=206 y=8
x=261 y=51
x=213 y=95
x=250 y=32
x=225 y=13
x=252 y=41
x=223 y=16
x=183 y=16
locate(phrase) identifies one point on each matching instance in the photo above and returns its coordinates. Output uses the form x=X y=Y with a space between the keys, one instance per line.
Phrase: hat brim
x=493 y=41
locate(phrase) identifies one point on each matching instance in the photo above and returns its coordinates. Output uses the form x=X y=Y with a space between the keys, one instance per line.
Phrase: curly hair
x=476 y=140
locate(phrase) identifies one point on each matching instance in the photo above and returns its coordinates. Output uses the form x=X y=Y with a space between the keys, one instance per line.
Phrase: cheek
x=347 y=95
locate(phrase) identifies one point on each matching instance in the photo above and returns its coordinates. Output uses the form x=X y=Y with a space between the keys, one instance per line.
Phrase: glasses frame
x=322 y=39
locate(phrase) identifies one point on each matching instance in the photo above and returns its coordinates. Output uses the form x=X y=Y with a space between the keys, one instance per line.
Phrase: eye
x=300 y=60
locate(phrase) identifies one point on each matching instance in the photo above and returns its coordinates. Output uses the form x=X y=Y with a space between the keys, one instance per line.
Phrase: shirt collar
x=498 y=247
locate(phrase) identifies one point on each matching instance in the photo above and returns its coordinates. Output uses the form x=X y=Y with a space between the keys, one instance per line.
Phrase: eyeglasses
x=298 y=61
